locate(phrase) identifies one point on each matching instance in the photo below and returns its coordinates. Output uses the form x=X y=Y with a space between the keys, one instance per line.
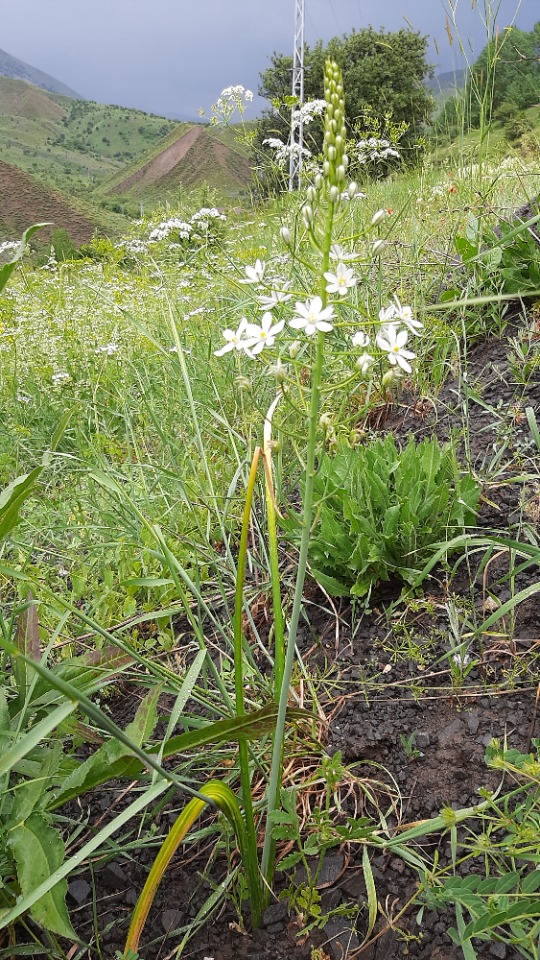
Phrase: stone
x=79 y=890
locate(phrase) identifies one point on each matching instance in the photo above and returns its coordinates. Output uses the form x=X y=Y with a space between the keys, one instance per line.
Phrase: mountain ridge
x=16 y=69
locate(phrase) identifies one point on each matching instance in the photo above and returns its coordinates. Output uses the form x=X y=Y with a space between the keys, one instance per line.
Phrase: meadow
x=269 y=546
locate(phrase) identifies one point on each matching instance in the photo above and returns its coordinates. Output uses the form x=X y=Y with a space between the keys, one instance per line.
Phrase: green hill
x=199 y=155
x=104 y=160
x=71 y=144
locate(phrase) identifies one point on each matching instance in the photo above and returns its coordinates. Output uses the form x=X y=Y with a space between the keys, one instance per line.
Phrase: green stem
x=245 y=775
x=274 y=785
x=279 y=628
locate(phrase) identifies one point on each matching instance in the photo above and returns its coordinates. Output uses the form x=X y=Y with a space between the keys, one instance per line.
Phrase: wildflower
x=109 y=349
x=364 y=362
x=276 y=296
x=378 y=246
x=58 y=378
x=258 y=337
x=235 y=339
x=378 y=217
x=393 y=342
x=341 y=281
x=406 y=316
x=387 y=314
x=461 y=660
x=338 y=253
x=285 y=234
x=360 y=339
x=256 y=273
x=312 y=317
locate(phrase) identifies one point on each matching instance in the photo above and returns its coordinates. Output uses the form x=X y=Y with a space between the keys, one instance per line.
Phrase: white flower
x=378 y=247
x=392 y=342
x=341 y=281
x=360 y=339
x=338 y=253
x=109 y=349
x=364 y=362
x=387 y=314
x=406 y=316
x=276 y=296
x=312 y=317
x=235 y=339
x=256 y=338
x=256 y=273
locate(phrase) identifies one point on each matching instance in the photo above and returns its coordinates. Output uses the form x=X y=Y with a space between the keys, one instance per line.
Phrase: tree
x=508 y=69
x=383 y=74
x=504 y=80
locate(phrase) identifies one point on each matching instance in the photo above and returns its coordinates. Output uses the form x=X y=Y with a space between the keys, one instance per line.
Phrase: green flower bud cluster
x=336 y=160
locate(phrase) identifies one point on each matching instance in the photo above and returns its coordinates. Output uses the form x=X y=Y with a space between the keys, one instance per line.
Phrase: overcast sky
x=175 y=56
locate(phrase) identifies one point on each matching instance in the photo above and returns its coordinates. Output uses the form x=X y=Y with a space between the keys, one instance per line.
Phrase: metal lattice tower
x=297 y=130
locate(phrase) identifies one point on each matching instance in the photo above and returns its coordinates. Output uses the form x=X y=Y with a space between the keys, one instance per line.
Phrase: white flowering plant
x=289 y=325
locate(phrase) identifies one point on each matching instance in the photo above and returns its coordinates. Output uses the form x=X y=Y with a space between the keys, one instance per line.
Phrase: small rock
x=342 y=938
x=170 y=919
x=498 y=950
x=113 y=875
x=79 y=890
x=422 y=740
x=275 y=913
x=473 y=722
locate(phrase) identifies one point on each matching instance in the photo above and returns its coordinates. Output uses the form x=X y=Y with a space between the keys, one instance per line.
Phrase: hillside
x=23 y=201
x=198 y=156
x=71 y=144
x=19 y=70
x=99 y=161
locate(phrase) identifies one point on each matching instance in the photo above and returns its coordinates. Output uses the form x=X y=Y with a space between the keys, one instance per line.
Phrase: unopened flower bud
x=332 y=153
x=351 y=189
x=325 y=421
x=307 y=215
x=345 y=160
x=378 y=217
x=294 y=348
x=334 y=194
x=339 y=142
x=319 y=182
x=341 y=173
x=285 y=234
x=326 y=168
x=388 y=378
x=378 y=247
x=311 y=194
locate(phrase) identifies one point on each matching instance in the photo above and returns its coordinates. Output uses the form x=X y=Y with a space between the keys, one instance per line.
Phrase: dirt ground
x=389 y=699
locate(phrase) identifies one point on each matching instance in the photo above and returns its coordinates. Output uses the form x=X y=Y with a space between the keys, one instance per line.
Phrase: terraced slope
x=23 y=201
x=194 y=158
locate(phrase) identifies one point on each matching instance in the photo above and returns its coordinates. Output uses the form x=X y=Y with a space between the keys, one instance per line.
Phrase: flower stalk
x=335 y=164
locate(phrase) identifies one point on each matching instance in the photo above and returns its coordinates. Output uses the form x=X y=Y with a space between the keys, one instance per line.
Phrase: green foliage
x=383 y=511
x=505 y=260
x=501 y=901
x=7 y=268
x=507 y=69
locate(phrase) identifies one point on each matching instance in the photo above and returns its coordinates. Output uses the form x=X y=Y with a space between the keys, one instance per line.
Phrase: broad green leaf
x=38 y=851
x=7 y=269
x=13 y=497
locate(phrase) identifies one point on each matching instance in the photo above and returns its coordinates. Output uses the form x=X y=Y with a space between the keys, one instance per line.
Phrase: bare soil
x=388 y=680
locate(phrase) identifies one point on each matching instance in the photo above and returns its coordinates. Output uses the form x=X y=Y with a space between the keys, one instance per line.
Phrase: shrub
x=382 y=511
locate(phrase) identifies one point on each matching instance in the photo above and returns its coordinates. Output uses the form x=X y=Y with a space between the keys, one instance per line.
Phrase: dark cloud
x=173 y=56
